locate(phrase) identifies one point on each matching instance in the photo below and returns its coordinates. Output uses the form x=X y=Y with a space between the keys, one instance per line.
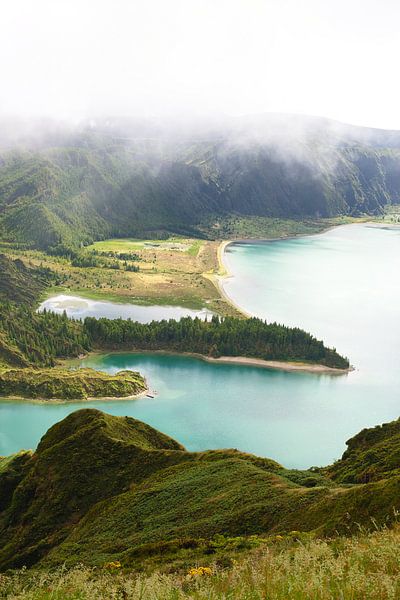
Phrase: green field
x=120 y=245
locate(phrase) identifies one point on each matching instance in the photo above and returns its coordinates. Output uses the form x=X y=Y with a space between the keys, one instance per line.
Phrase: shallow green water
x=343 y=286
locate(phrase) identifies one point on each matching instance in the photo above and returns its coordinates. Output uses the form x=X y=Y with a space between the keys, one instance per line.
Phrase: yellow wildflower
x=199 y=571
x=115 y=564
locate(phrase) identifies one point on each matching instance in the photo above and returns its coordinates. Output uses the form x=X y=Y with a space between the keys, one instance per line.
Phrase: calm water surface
x=343 y=286
x=78 y=307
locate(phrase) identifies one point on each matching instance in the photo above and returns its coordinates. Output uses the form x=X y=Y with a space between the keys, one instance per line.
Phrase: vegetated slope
x=125 y=179
x=26 y=337
x=20 y=284
x=371 y=455
x=102 y=488
x=69 y=384
x=293 y=566
x=83 y=459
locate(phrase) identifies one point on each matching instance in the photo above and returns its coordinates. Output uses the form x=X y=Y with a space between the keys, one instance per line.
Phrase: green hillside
x=26 y=337
x=66 y=384
x=364 y=567
x=20 y=284
x=371 y=455
x=101 y=488
x=122 y=180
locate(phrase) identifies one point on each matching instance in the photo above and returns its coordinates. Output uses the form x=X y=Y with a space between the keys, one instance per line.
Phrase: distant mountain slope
x=27 y=337
x=129 y=179
x=20 y=284
x=102 y=488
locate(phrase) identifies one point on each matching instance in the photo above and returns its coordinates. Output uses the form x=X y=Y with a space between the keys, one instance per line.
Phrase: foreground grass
x=362 y=567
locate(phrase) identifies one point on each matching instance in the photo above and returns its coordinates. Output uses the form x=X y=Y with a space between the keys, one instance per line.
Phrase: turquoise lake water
x=343 y=286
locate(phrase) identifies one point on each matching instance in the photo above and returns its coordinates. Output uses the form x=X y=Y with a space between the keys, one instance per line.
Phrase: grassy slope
x=363 y=567
x=19 y=284
x=64 y=384
x=146 y=491
x=166 y=276
x=372 y=454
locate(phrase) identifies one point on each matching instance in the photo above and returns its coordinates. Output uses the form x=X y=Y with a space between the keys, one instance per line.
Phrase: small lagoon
x=78 y=307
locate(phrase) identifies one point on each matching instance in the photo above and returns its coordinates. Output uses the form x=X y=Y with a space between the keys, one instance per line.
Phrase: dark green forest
x=28 y=338
x=39 y=339
x=219 y=337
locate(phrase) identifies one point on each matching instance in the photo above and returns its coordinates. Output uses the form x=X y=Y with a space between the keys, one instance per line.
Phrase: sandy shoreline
x=279 y=365
x=224 y=274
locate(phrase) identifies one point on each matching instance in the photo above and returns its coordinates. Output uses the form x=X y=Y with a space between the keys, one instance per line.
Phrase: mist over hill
x=66 y=185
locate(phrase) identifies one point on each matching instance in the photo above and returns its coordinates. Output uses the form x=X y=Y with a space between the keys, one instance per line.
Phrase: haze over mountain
x=64 y=184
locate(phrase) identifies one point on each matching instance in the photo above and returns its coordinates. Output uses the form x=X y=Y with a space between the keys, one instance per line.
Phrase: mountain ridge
x=101 y=487
x=124 y=179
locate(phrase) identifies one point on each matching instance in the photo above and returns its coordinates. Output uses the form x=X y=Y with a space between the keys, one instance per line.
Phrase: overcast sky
x=77 y=58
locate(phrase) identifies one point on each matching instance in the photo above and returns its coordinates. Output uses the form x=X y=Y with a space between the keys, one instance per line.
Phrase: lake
x=78 y=307
x=343 y=286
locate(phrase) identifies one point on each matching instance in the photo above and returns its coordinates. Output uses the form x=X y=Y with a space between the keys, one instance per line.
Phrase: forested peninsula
x=218 y=337
x=29 y=340
x=33 y=343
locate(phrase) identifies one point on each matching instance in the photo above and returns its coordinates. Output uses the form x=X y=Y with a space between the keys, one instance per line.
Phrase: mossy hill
x=371 y=455
x=66 y=384
x=136 y=179
x=101 y=488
